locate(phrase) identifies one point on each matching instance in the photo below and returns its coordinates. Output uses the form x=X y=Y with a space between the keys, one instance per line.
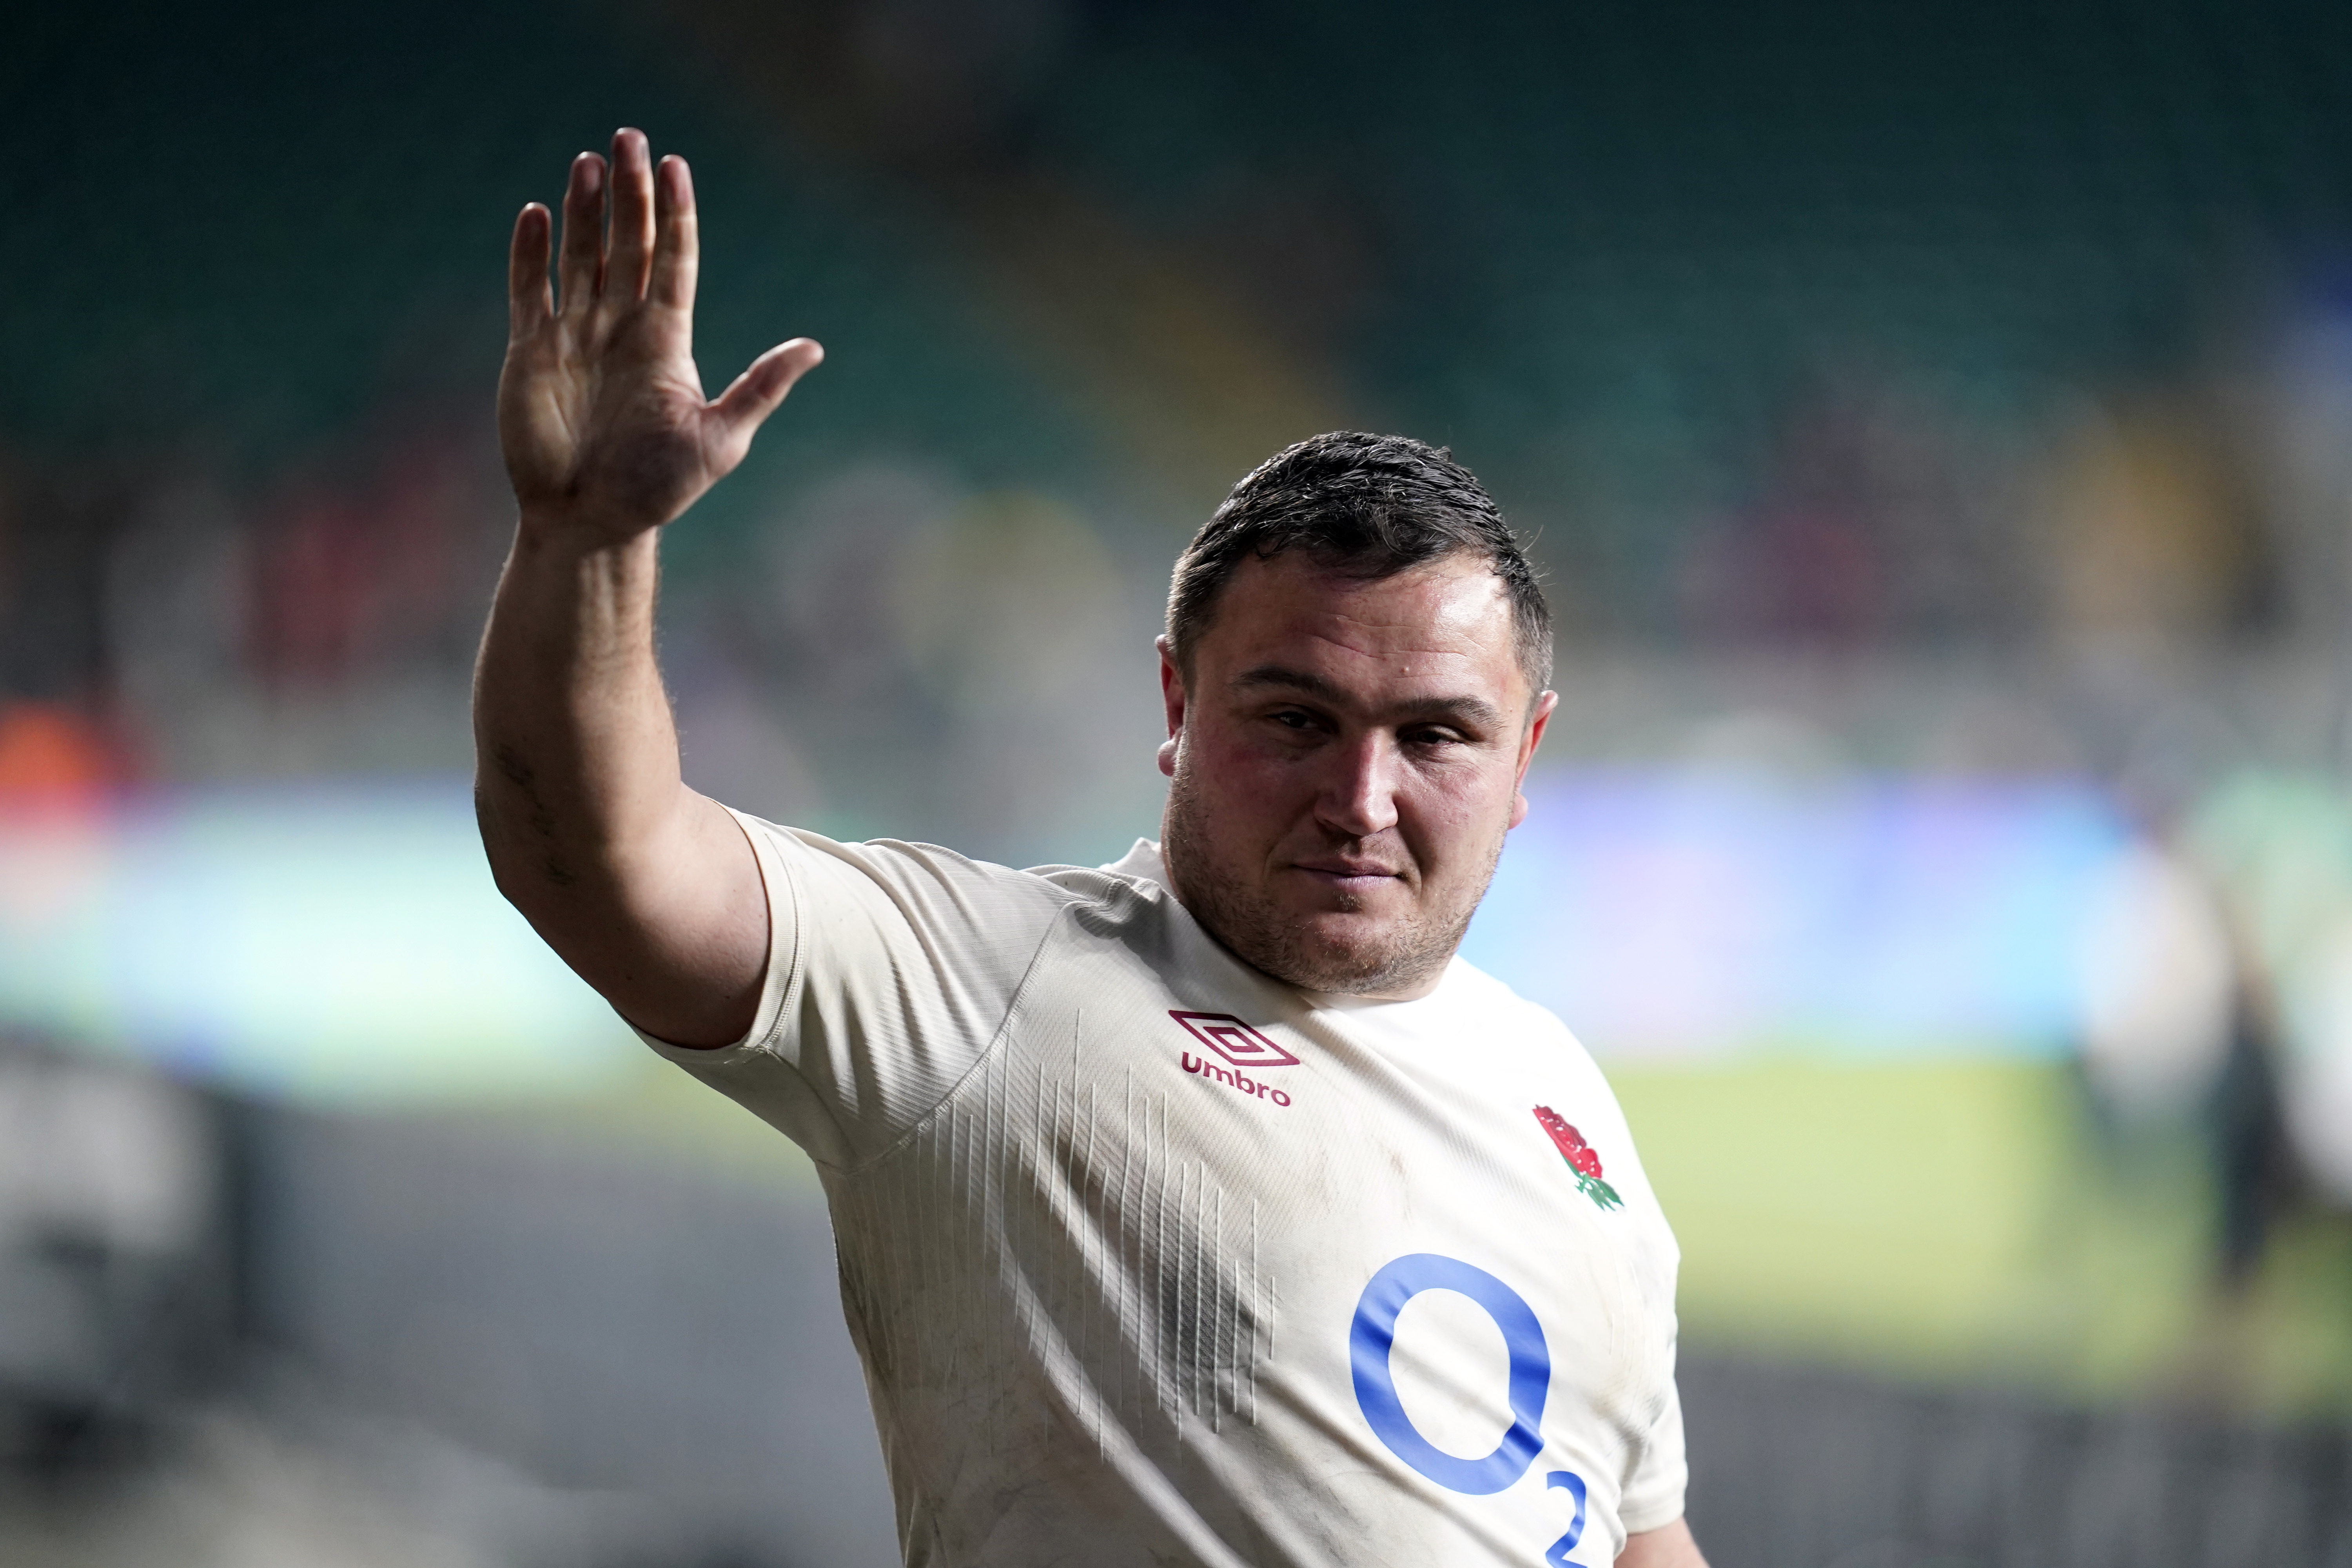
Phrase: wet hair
x=1368 y=507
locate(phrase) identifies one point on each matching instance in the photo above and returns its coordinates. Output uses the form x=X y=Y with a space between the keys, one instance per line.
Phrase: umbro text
x=1235 y=1079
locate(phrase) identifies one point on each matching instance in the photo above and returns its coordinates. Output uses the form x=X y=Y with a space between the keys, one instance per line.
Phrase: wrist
x=568 y=578
x=571 y=531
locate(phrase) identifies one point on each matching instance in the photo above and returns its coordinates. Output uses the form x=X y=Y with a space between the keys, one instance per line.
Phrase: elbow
x=538 y=885
x=524 y=871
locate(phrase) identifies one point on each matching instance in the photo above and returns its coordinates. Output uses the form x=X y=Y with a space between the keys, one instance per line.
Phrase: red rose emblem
x=1581 y=1157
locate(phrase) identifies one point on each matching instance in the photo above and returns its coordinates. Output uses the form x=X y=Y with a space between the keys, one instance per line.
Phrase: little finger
x=529 y=301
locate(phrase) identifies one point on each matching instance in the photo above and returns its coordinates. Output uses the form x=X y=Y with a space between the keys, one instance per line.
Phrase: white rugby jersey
x=1153 y=1259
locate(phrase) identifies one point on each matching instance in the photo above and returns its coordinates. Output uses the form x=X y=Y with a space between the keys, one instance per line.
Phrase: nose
x=1359 y=796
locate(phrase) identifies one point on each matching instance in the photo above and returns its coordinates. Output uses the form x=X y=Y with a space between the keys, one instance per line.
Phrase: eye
x=1295 y=726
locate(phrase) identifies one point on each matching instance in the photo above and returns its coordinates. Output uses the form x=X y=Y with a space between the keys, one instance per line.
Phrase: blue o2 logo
x=1373 y=1334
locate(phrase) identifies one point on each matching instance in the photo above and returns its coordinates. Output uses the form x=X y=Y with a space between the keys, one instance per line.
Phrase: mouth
x=1347 y=876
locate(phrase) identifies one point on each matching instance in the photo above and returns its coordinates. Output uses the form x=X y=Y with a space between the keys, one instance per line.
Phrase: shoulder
x=1535 y=1035
x=1546 y=1047
x=907 y=868
x=1495 y=1005
x=823 y=882
x=1134 y=886
x=1101 y=885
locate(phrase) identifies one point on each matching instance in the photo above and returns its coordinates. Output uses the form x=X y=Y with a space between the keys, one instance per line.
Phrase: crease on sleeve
x=1653 y=1498
x=753 y=1071
x=910 y=963
x=892 y=969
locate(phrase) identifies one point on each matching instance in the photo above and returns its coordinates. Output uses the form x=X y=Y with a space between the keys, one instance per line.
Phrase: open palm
x=601 y=410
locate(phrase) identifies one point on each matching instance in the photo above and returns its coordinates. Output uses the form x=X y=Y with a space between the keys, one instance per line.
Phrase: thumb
x=754 y=394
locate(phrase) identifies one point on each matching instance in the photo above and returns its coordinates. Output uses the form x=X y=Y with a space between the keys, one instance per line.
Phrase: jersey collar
x=1143 y=863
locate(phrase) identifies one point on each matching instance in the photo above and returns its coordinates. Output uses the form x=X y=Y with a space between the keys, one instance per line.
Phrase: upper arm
x=675 y=934
x=704 y=932
x=1668 y=1546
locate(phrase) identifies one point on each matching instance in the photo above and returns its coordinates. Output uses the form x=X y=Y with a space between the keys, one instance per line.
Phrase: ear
x=1527 y=745
x=1172 y=696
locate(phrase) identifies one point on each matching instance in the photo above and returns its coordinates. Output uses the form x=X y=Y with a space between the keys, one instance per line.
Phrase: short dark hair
x=1369 y=506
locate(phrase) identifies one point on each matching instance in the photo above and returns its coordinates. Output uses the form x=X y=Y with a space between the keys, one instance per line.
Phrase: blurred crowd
x=1936 y=427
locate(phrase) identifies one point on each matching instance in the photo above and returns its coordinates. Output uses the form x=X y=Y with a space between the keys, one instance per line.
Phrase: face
x=1347 y=757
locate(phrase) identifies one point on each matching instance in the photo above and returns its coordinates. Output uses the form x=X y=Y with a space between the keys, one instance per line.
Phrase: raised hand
x=601 y=410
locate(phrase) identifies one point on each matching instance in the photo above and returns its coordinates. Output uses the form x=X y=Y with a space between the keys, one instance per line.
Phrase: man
x=1200 y=1209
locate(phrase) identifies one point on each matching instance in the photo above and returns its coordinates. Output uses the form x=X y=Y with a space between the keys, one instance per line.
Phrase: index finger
x=678 y=245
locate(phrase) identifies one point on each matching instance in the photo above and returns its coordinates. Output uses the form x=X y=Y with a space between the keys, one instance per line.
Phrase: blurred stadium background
x=1937 y=423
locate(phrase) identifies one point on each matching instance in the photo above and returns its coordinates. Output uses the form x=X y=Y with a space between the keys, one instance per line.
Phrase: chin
x=1352 y=975
x=1351 y=955
x=1348 y=939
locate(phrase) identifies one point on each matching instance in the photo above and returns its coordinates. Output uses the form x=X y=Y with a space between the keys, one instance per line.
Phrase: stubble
x=1402 y=956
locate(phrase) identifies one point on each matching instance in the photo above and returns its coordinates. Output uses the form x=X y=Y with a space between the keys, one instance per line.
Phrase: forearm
x=576 y=759
x=644 y=887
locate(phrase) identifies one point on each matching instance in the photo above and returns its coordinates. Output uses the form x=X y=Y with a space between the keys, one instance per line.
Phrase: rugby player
x=1202 y=1208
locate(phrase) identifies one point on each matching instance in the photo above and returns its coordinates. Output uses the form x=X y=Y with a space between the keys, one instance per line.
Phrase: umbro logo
x=1239 y=1044
x=1234 y=1040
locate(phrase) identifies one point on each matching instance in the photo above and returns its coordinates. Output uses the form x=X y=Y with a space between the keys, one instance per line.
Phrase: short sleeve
x=891 y=969
x=1653 y=1493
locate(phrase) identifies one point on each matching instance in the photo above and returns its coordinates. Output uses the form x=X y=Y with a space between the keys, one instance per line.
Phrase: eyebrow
x=1475 y=711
